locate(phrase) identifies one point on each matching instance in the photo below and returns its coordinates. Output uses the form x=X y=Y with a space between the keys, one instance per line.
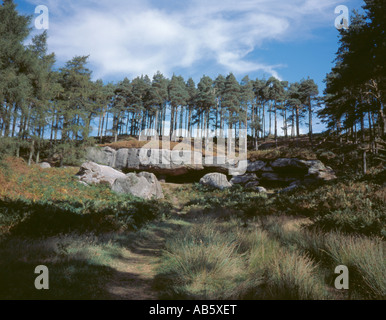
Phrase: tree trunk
x=31 y=153
x=310 y=121
x=275 y=125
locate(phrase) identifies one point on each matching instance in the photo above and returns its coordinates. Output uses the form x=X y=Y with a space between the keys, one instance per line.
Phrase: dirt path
x=135 y=271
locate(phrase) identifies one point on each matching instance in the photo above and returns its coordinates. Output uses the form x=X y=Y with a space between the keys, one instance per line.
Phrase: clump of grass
x=363 y=256
x=201 y=264
x=224 y=261
x=79 y=266
x=293 y=276
x=365 y=259
x=285 y=273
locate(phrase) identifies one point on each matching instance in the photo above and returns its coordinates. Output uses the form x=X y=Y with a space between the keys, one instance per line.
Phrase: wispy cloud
x=135 y=37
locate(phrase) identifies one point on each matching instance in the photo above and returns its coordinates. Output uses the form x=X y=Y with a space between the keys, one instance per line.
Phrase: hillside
x=122 y=247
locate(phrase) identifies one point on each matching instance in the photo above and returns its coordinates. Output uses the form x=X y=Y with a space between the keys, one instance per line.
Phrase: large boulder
x=44 y=165
x=289 y=165
x=164 y=161
x=317 y=170
x=216 y=180
x=104 y=156
x=144 y=185
x=93 y=173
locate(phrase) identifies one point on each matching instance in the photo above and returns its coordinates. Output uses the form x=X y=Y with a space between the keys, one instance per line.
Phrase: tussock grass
x=226 y=261
x=79 y=266
x=293 y=276
x=363 y=256
x=201 y=264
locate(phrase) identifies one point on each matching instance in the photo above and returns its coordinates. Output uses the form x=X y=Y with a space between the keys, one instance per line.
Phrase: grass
x=213 y=260
x=364 y=256
x=201 y=265
x=348 y=206
x=225 y=244
x=79 y=266
x=217 y=259
x=37 y=202
x=84 y=265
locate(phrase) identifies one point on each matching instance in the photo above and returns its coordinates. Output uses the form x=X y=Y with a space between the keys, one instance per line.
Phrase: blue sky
x=290 y=39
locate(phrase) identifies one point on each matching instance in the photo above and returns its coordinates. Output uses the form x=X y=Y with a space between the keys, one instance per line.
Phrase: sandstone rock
x=322 y=175
x=144 y=185
x=169 y=162
x=103 y=156
x=216 y=180
x=180 y=162
x=314 y=165
x=121 y=159
x=44 y=165
x=317 y=170
x=93 y=173
x=243 y=179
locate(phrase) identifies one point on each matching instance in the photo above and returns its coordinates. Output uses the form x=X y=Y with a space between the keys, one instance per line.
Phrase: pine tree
x=219 y=86
x=205 y=101
x=231 y=100
x=178 y=97
x=309 y=90
x=191 y=101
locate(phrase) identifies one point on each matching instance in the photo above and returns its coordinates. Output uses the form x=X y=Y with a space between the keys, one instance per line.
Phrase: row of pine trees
x=41 y=103
x=356 y=86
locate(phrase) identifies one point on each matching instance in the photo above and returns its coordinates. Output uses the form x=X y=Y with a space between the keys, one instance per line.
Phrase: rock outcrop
x=93 y=173
x=44 y=165
x=144 y=185
x=280 y=172
x=215 y=180
x=160 y=161
x=104 y=156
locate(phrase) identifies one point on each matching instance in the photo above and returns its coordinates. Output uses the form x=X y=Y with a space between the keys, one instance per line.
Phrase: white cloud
x=133 y=37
